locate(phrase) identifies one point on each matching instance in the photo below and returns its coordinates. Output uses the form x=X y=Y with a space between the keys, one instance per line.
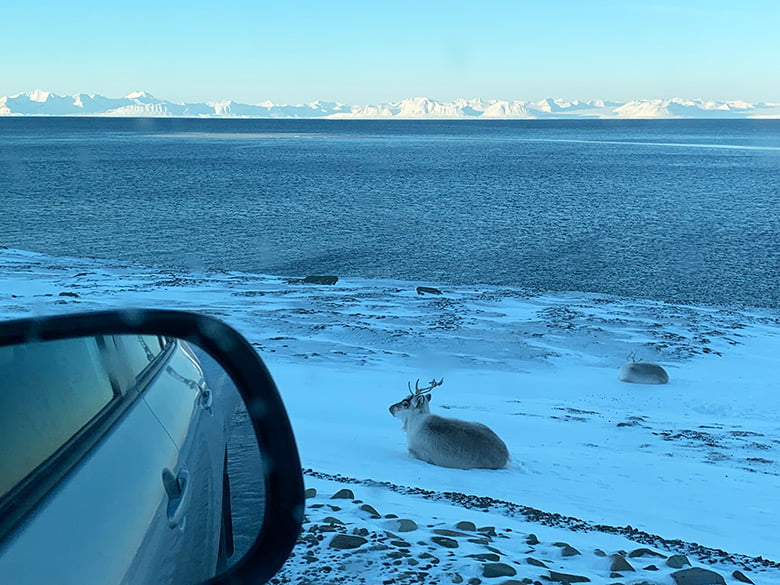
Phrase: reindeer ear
x=428 y=397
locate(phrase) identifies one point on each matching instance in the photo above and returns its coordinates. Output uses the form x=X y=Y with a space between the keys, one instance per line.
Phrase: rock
x=445 y=532
x=310 y=493
x=475 y=581
x=567 y=578
x=677 y=561
x=466 y=526
x=346 y=541
x=643 y=373
x=620 y=564
x=492 y=557
x=651 y=568
x=360 y=531
x=489 y=530
x=404 y=525
x=645 y=552
x=421 y=290
x=69 y=294
x=456 y=578
x=371 y=510
x=397 y=554
x=490 y=570
x=400 y=543
x=445 y=542
x=535 y=562
x=332 y=520
x=309 y=539
x=697 y=576
x=479 y=540
x=344 y=494
x=566 y=549
x=532 y=539
x=599 y=553
x=740 y=576
x=320 y=279
x=334 y=508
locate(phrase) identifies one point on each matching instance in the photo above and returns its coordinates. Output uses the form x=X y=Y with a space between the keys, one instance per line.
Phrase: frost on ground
x=693 y=463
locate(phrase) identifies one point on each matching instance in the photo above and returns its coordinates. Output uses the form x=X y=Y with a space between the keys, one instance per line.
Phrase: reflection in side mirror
x=131 y=458
x=243 y=490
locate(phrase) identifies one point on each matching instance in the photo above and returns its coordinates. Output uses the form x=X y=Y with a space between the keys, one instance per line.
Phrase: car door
x=195 y=421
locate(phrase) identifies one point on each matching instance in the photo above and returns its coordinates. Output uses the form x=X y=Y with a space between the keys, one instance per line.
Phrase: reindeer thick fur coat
x=447 y=442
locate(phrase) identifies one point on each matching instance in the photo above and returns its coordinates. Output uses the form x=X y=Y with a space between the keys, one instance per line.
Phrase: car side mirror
x=141 y=446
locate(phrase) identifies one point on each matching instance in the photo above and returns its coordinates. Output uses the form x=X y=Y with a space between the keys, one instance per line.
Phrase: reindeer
x=446 y=442
x=639 y=372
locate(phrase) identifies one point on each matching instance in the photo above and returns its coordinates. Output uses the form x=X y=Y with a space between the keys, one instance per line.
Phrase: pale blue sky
x=366 y=51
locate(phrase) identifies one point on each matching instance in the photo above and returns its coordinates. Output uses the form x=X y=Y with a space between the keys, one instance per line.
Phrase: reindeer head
x=416 y=402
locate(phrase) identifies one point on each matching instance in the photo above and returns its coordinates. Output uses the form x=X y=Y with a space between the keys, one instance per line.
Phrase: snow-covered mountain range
x=140 y=103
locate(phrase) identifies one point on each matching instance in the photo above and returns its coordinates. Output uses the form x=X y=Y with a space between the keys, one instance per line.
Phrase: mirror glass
x=125 y=459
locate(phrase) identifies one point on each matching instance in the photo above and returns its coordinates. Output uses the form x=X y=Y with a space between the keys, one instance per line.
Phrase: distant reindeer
x=639 y=372
x=447 y=442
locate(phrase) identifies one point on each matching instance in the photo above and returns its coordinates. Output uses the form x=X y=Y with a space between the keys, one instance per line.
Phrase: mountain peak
x=137 y=95
x=38 y=95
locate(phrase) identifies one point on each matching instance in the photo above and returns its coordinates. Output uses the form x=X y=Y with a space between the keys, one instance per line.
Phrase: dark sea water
x=673 y=210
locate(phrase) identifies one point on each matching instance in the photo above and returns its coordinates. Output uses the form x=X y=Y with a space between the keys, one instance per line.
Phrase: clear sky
x=369 y=51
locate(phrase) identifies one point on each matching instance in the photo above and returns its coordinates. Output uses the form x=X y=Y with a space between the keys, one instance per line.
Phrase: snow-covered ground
x=686 y=468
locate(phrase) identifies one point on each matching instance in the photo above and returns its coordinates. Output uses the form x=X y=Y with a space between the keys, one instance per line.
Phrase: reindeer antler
x=419 y=391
